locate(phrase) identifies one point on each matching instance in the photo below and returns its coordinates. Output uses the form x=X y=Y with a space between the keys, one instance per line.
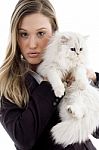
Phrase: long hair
x=12 y=71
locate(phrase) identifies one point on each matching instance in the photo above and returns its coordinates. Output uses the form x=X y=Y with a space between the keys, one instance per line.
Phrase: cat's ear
x=86 y=37
x=64 y=39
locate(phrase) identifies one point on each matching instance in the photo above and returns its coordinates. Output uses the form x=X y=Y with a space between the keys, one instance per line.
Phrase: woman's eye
x=41 y=34
x=23 y=34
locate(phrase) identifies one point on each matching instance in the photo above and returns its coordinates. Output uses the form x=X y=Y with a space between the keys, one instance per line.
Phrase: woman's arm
x=96 y=82
x=26 y=125
x=94 y=76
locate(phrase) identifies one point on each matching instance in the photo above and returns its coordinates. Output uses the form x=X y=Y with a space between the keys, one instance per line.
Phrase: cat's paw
x=59 y=90
x=75 y=112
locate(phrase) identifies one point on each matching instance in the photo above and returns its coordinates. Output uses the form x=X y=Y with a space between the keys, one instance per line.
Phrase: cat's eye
x=73 y=49
x=81 y=49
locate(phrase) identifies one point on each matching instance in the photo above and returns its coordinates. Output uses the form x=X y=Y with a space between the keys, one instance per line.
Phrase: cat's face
x=73 y=45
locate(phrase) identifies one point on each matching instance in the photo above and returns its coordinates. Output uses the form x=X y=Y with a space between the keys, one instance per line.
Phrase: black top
x=29 y=127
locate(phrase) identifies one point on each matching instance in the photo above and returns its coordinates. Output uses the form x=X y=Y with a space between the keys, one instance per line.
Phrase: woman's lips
x=33 y=54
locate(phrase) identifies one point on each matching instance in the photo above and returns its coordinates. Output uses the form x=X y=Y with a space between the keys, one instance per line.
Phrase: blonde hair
x=13 y=70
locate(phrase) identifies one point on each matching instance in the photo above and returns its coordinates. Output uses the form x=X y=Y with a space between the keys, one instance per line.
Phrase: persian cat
x=79 y=108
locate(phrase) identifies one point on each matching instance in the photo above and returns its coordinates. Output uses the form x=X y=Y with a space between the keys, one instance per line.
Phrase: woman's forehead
x=35 y=22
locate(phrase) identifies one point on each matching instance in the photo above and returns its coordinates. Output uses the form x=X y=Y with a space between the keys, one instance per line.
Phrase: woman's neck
x=33 y=67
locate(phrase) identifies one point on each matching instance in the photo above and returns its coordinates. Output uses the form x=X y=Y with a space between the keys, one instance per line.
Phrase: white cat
x=79 y=108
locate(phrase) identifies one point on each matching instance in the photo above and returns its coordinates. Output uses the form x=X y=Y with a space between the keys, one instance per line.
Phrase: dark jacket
x=29 y=127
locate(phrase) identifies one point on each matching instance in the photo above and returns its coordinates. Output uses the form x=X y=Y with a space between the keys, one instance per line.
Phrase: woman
x=28 y=104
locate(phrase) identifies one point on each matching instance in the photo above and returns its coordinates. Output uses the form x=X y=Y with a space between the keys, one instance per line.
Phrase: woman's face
x=34 y=32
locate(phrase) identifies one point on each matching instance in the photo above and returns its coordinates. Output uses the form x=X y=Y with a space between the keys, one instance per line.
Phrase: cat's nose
x=77 y=53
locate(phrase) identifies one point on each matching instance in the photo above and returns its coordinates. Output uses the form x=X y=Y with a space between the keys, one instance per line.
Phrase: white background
x=73 y=15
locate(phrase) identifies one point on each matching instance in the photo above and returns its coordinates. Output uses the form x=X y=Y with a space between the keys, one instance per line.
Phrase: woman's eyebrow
x=36 y=29
x=43 y=28
x=21 y=29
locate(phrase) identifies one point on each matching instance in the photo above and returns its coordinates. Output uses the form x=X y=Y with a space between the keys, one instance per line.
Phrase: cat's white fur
x=79 y=108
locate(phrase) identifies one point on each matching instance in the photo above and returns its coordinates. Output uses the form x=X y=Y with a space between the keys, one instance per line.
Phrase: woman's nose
x=32 y=42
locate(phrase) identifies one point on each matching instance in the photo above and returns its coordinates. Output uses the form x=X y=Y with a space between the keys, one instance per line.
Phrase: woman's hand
x=91 y=75
x=69 y=79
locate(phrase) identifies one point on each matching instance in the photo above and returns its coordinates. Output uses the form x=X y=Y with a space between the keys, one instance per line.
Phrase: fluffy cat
x=79 y=108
